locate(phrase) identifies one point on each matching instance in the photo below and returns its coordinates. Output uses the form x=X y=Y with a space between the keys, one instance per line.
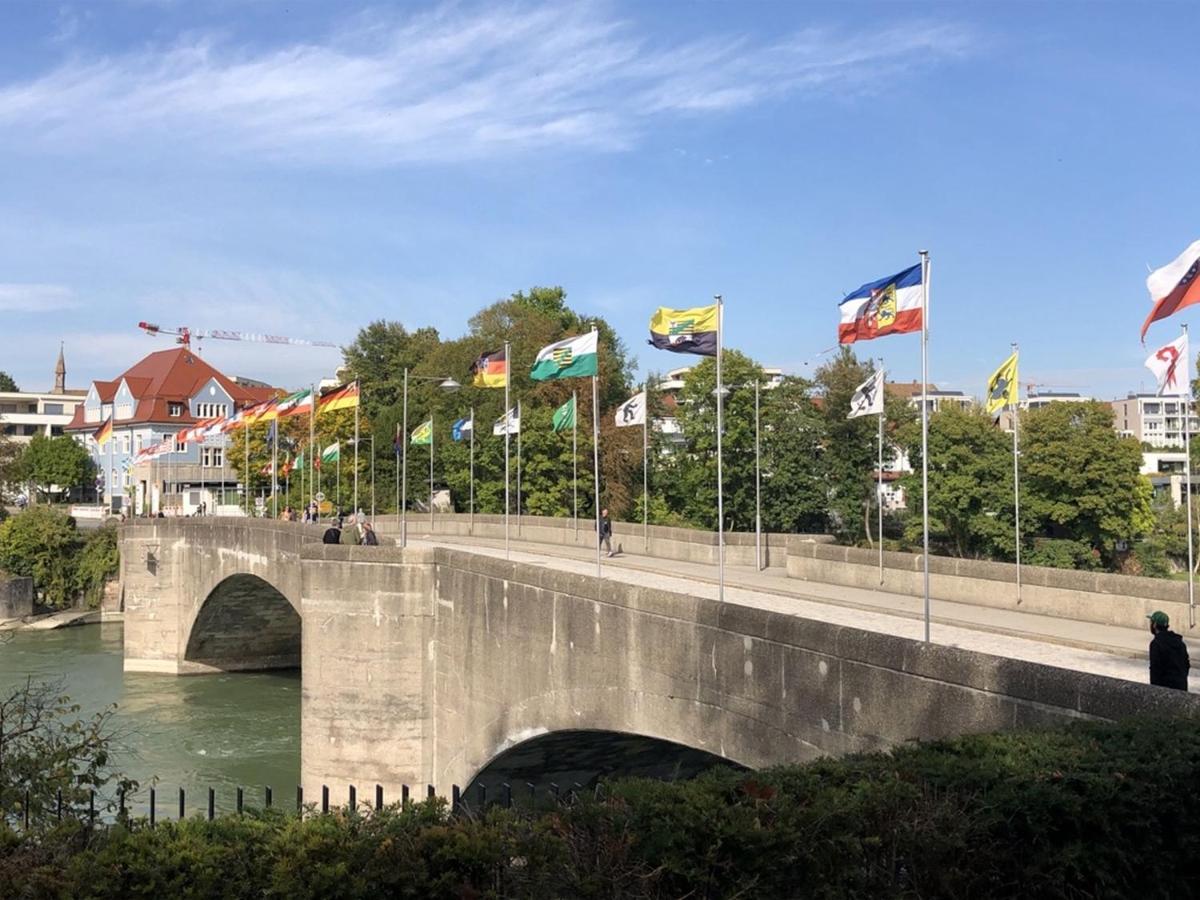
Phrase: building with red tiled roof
x=153 y=399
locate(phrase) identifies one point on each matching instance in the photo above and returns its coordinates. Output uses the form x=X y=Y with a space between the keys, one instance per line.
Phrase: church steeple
x=60 y=373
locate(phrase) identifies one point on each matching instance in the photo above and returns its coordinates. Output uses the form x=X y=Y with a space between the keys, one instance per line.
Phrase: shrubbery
x=43 y=543
x=1089 y=811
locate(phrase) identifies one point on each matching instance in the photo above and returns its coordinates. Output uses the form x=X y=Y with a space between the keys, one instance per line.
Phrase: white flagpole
x=431 y=472
x=110 y=486
x=372 y=475
x=596 y=466
x=518 y=468
x=275 y=472
x=312 y=430
x=757 y=482
x=879 y=479
x=925 y=426
x=404 y=468
x=246 y=501
x=1016 y=414
x=337 y=471
x=508 y=369
x=1187 y=452
x=359 y=398
x=720 y=483
x=471 y=518
x=575 y=458
x=203 y=438
x=646 y=465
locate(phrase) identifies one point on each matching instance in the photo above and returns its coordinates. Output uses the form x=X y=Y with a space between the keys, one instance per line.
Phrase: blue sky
x=304 y=168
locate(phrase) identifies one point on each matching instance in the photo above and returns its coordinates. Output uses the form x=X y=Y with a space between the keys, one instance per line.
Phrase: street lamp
x=724 y=391
x=445 y=383
x=356 y=442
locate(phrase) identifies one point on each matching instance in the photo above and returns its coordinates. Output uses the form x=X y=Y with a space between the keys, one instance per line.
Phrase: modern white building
x=1155 y=421
x=24 y=414
x=1165 y=469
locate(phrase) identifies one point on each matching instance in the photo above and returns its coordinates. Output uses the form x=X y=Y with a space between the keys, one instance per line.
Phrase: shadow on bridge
x=245 y=623
x=586 y=757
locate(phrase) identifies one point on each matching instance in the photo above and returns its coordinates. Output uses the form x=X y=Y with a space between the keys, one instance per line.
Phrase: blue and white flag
x=461 y=430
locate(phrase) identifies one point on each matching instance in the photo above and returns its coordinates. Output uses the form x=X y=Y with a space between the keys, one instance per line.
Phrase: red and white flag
x=1170 y=366
x=1174 y=286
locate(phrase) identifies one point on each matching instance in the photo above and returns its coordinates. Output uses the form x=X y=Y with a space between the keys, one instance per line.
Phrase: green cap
x=1160 y=618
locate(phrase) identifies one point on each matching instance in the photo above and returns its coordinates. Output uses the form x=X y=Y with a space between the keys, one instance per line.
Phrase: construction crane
x=184 y=335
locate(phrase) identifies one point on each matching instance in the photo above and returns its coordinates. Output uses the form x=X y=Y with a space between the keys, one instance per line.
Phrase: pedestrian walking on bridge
x=1169 y=662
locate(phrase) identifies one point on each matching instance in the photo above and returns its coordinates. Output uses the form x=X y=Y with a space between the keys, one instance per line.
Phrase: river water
x=195 y=732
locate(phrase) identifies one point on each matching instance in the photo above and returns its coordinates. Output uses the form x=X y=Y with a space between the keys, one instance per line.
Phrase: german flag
x=343 y=396
x=490 y=370
x=103 y=433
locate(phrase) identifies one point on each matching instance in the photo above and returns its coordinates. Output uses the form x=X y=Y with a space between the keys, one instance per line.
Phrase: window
x=125 y=444
x=211 y=410
x=180 y=446
x=53 y=409
x=8 y=407
x=175 y=409
x=213 y=457
x=137 y=443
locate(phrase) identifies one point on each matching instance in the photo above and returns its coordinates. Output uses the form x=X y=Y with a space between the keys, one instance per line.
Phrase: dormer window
x=174 y=409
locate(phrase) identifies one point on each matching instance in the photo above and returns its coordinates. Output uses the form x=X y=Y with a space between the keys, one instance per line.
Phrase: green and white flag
x=564 y=416
x=332 y=453
x=423 y=433
x=570 y=358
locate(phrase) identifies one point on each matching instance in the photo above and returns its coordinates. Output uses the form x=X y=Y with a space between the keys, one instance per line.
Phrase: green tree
x=55 y=462
x=970 y=483
x=1080 y=480
x=41 y=543
x=99 y=562
x=7 y=385
x=795 y=491
x=851 y=445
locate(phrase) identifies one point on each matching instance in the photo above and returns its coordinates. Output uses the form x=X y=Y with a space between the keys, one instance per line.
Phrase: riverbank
x=65 y=618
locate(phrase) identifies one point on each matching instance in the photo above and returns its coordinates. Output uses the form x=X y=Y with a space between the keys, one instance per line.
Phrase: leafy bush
x=42 y=543
x=98 y=562
x=1058 y=553
x=1093 y=810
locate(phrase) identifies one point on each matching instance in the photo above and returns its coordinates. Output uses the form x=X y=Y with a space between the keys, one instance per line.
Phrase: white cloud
x=33 y=298
x=452 y=84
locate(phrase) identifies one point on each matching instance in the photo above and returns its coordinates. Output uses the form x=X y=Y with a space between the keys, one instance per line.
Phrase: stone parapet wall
x=16 y=597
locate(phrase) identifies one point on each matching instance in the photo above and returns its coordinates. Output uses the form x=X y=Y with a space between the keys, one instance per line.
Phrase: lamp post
x=446 y=383
x=356 y=442
x=725 y=391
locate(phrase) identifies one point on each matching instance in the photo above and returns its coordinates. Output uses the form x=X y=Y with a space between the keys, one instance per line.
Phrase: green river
x=196 y=732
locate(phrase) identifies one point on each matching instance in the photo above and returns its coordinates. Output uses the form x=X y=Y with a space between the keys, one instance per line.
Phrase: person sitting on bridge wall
x=369 y=537
x=1169 y=662
x=333 y=534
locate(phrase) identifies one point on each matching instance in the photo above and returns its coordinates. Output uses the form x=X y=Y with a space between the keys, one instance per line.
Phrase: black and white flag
x=632 y=411
x=868 y=397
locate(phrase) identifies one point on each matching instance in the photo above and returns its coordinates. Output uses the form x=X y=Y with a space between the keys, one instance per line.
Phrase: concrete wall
x=16 y=597
x=1084 y=596
x=684 y=544
x=412 y=688
x=238 y=578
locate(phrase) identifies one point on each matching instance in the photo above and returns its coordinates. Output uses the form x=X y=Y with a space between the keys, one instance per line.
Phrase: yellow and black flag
x=685 y=330
x=1002 y=387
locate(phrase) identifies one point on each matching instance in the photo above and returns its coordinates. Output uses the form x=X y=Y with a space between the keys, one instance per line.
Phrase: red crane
x=184 y=335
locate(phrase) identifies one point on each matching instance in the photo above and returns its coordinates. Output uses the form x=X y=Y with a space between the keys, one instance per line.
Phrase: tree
x=41 y=543
x=793 y=435
x=7 y=385
x=10 y=473
x=851 y=444
x=970 y=483
x=56 y=462
x=1080 y=480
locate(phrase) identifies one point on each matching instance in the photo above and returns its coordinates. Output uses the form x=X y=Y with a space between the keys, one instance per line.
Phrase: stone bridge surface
x=423 y=665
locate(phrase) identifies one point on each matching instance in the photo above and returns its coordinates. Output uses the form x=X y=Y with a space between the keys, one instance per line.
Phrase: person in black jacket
x=333 y=534
x=606 y=531
x=1169 y=663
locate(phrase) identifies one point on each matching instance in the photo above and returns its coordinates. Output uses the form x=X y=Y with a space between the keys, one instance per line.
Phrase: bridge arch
x=586 y=756
x=244 y=623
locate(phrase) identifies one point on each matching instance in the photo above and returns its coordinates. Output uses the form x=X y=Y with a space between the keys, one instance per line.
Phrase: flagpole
x=575 y=458
x=372 y=474
x=109 y=486
x=337 y=470
x=1187 y=452
x=404 y=468
x=246 y=502
x=925 y=426
x=1016 y=414
x=275 y=472
x=508 y=369
x=358 y=399
x=203 y=438
x=471 y=520
x=757 y=482
x=312 y=431
x=396 y=451
x=431 y=472
x=879 y=475
x=720 y=484
x=518 y=468
x=596 y=468
x=646 y=465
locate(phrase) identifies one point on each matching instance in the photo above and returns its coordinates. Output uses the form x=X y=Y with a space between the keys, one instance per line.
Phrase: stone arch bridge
x=423 y=665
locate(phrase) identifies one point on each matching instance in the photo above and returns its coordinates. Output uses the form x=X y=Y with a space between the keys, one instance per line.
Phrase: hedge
x=1092 y=810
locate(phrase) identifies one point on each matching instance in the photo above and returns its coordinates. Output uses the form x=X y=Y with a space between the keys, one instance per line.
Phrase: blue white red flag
x=892 y=305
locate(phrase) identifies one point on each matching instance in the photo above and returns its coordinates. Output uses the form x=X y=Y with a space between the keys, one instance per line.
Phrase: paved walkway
x=1083 y=646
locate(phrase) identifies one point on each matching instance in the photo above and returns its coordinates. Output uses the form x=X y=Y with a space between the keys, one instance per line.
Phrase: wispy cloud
x=34 y=298
x=452 y=84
